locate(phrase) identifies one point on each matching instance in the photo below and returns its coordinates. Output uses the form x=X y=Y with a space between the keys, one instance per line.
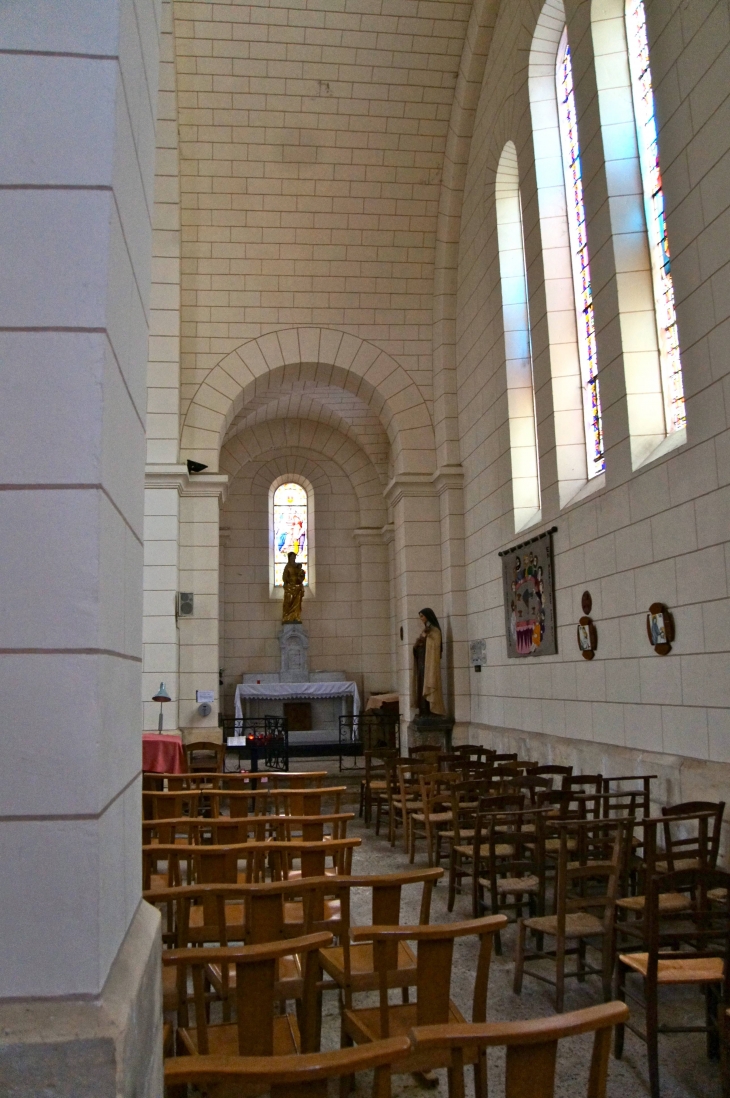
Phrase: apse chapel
x=433 y=295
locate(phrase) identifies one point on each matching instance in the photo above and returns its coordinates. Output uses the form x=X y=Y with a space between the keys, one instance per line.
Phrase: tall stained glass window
x=579 y=256
x=289 y=526
x=646 y=132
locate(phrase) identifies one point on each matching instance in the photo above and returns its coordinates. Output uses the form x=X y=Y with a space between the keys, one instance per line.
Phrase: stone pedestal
x=102 y=1046
x=430 y=730
x=294 y=645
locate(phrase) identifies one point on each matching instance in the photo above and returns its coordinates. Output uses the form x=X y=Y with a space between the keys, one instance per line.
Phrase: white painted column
x=375 y=610
x=417 y=529
x=448 y=485
x=78 y=91
x=199 y=634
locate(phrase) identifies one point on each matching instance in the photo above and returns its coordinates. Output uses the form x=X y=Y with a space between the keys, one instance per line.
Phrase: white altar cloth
x=303 y=690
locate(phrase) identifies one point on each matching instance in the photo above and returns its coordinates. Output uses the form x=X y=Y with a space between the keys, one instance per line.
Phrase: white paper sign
x=204 y=696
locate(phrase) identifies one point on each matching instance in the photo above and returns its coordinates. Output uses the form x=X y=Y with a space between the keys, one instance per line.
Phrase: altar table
x=162 y=754
x=288 y=691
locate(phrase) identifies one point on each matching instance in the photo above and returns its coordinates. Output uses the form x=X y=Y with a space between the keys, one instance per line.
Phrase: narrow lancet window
x=646 y=132
x=579 y=256
x=289 y=527
x=517 y=342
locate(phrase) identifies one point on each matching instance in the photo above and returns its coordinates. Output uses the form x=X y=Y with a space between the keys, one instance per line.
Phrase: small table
x=162 y=754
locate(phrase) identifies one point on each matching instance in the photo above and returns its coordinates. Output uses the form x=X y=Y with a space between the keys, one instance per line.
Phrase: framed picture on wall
x=529 y=598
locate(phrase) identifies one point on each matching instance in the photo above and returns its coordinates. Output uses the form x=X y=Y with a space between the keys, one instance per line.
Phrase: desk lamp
x=161 y=696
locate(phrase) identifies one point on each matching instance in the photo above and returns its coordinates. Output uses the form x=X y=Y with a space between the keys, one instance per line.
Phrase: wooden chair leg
x=581 y=957
x=347 y=1082
x=652 y=1038
x=559 y=974
x=724 y=1036
x=519 y=957
x=713 y=1042
x=452 y=880
x=619 y=993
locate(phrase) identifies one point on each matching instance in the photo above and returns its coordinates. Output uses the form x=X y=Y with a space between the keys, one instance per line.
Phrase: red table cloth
x=162 y=754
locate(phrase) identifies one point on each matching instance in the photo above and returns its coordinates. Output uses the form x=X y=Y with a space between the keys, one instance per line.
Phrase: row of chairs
x=530 y=1064
x=270 y=968
x=580 y=862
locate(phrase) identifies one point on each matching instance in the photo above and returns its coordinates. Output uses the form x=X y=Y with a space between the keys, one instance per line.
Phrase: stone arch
x=327 y=354
x=281 y=440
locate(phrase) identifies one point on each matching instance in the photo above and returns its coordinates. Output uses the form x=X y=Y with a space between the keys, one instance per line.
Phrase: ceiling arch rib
x=326 y=405
x=326 y=357
x=277 y=442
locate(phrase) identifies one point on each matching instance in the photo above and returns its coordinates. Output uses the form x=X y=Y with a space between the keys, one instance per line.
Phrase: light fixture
x=161 y=696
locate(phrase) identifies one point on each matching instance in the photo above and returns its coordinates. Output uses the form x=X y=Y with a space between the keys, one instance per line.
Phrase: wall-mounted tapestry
x=529 y=598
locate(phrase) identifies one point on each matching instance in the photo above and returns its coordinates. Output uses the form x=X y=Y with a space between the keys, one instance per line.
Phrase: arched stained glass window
x=579 y=256
x=289 y=527
x=646 y=132
x=517 y=341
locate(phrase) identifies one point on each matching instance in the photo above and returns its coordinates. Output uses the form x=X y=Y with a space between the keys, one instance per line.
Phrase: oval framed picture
x=660 y=628
x=587 y=638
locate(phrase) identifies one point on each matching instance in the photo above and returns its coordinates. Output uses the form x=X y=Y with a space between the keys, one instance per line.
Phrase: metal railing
x=267 y=740
x=368 y=731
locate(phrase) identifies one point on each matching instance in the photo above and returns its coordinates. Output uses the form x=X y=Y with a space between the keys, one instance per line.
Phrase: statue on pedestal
x=293 y=577
x=426 y=693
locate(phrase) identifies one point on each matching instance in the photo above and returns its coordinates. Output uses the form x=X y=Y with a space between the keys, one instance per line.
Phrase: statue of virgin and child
x=293 y=579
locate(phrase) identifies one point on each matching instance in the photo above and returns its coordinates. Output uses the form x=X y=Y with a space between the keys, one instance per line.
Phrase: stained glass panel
x=646 y=132
x=290 y=527
x=579 y=256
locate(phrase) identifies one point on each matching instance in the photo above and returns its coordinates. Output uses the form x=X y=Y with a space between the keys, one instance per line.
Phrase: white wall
x=659 y=533
x=77 y=108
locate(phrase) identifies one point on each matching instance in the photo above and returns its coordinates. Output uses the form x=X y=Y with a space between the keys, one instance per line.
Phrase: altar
x=312 y=702
x=299 y=691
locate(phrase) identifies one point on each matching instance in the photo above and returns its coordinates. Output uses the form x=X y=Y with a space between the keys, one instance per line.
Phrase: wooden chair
x=696 y=850
x=205 y=756
x=465 y=798
x=433 y=816
x=423 y=751
x=201 y=864
x=293 y=779
x=303 y=1076
x=257 y=1030
x=433 y=1006
x=157 y=805
x=408 y=799
x=552 y=770
x=470 y=857
x=695 y=949
x=374 y=784
x=473 y=751
x=515 y=864
x=633 y=783
x=531 y=1049
x=578 y=894
x=582 y=783
x=352 y=967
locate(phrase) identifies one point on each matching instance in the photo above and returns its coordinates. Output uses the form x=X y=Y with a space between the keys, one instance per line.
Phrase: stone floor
x=685 y=1071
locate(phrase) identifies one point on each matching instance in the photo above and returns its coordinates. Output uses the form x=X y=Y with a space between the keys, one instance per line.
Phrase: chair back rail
x=531 y=1048
x=304 y=1076
x=255 y=991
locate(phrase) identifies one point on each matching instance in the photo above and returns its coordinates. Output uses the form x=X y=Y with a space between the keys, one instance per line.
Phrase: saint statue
x=293 y=577
x=426 y=685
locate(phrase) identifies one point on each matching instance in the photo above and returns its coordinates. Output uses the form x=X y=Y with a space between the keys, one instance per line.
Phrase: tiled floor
x=685 y=1071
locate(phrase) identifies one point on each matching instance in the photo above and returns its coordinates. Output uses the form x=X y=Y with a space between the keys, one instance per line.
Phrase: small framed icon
x=587 y=638
x=660 y=628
